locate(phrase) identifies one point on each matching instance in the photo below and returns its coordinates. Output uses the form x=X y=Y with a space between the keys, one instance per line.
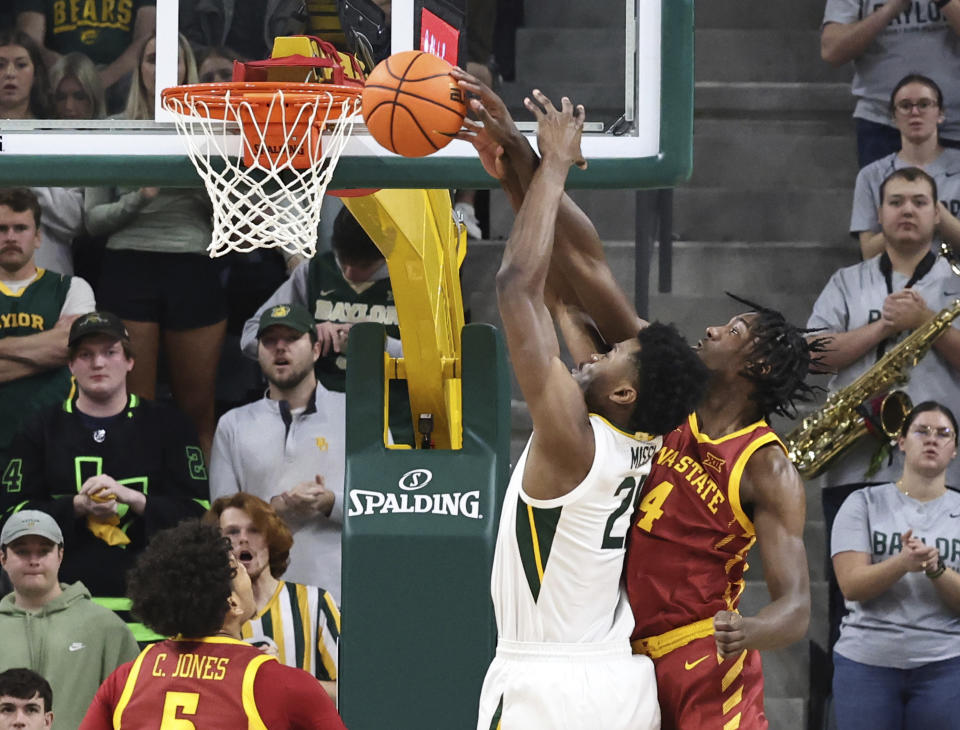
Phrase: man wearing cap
x=110 y=467
x=54 y=628
x=340 y=288
x=288 y=447
x=36 y=309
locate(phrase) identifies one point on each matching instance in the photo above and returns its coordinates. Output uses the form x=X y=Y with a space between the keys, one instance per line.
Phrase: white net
x=269 y=196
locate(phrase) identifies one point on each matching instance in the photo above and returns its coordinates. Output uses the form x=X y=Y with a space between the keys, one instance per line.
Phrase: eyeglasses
x=943 y=432
x=906 y=106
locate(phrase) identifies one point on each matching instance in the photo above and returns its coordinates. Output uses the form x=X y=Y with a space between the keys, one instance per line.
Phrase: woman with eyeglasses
x=916 y=105
x=896 y=552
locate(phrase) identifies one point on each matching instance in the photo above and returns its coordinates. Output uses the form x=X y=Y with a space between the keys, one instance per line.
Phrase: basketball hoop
x=269 y=196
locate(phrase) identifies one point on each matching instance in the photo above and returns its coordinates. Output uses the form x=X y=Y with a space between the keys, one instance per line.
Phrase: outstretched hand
x=558 y=131
x=496 y=131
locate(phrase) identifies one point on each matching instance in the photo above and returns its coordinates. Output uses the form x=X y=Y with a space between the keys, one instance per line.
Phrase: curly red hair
x=265 y=519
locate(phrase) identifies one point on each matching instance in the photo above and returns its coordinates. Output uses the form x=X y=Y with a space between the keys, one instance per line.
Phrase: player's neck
x=920 y=153
x=725 y=410
x=297 y=396
x=263 y=589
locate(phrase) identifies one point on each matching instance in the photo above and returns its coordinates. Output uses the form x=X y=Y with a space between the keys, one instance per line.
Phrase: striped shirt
x=304 y=623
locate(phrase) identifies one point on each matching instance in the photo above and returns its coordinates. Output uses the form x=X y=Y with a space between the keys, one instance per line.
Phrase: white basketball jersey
x=558 y=563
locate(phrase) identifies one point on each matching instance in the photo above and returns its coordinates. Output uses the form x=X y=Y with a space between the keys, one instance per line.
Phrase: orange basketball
x=411 y=103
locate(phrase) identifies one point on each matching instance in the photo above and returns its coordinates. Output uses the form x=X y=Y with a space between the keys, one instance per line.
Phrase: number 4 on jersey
x=651 y=505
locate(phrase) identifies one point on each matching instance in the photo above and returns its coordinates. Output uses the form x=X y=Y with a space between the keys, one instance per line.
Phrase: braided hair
x=779 y=362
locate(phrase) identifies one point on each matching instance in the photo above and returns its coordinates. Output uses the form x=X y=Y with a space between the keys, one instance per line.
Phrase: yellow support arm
x=424 y=247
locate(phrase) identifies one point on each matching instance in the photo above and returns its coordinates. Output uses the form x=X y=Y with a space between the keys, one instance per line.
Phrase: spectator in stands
x=189 y=586
x=288 y=447
x=26 y=701
x=54 y=628
x=301 y=621
x=112 y=469
x=916 y=106
x=24 y=90
x=110 y=34
x=245 y=27
x=215 y=65
x=870 y=306
x=897 y=661
x=77 y=89
x=879 y=39
x=342 y=287
x=37 y=308
x=156 y=274
x=77 y=94
x=140 y=100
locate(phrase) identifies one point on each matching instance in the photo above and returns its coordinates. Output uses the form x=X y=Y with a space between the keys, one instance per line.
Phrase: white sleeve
x=851 y=530
x=223 y=477
x=79 y=299
x=830 y=311
x=841 y=11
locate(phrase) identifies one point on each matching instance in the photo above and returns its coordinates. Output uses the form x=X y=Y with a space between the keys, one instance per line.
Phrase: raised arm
x=562 y=446
x=771 y=484
x=843 y=42
x=580 y=275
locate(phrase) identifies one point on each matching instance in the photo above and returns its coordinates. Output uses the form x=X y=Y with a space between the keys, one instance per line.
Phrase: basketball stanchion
x=269 y=196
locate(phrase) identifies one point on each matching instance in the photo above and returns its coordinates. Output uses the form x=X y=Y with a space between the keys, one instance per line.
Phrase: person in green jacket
x=53 y=628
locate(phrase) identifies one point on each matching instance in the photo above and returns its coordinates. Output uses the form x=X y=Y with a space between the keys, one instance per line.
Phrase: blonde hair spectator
x=142 y=84
x=76 y=88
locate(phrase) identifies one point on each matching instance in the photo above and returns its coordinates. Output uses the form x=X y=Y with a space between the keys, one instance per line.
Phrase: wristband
x=938 y=571
x=940 y=4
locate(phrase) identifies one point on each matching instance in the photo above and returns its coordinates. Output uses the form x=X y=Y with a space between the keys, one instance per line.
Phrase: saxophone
x=830 y=430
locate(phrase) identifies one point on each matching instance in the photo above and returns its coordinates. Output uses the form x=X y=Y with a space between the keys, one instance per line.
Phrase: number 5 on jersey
x=652 y=505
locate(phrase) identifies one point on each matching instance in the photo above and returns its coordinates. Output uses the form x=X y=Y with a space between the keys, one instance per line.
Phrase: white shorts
x=530 y=686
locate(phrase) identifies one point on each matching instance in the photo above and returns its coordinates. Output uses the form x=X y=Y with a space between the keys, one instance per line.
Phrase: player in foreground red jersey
x=188 y=585
x=721 y=482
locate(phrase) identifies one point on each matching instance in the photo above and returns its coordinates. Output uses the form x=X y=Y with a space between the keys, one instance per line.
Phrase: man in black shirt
x=111 y=468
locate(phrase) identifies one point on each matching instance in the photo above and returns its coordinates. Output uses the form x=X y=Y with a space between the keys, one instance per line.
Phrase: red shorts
x=698 y=691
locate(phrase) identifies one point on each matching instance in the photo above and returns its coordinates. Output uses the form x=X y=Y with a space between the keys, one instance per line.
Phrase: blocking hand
x=558 y=131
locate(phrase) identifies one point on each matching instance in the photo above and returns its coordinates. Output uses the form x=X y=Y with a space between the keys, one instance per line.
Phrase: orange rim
x=260 y=95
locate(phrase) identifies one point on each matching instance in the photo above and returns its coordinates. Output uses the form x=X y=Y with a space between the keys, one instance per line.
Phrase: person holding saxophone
x=867 y=309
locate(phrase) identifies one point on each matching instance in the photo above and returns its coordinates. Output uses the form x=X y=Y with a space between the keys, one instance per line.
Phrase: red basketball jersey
x=687 y=548
x=207 y=682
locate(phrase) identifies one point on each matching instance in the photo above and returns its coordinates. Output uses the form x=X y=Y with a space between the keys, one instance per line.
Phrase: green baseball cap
x=294 y=316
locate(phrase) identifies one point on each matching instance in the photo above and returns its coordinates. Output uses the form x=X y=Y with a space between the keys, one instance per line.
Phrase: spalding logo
x=458 y=504
x=415 y=479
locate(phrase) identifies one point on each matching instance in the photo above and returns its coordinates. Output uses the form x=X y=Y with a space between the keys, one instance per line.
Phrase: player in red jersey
x=721 y=482
x=187 y=584
x=759 y=363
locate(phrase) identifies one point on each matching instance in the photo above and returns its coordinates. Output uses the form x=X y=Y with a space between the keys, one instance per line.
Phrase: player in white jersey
x=563 y=656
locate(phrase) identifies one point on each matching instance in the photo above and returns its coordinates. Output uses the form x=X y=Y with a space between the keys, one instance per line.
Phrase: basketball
x=411 y=103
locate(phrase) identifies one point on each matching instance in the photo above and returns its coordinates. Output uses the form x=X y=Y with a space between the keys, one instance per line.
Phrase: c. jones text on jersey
x=696 y=476
x=21 y=319
x=351 y=313
x=458 y=504
x=640 y=455
x=192 y=666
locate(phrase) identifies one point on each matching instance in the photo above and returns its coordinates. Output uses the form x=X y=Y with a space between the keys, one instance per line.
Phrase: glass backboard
x=651 y=146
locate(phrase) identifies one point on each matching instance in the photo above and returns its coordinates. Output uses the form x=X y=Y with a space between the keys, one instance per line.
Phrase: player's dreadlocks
x=780 y=361
x=182 y=582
